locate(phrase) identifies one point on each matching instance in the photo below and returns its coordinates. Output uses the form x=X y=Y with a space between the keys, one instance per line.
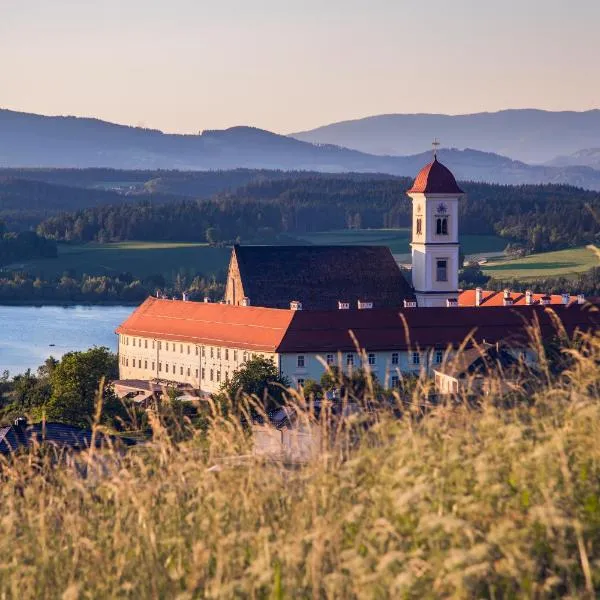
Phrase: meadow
x=139 y=258
x=492 y=500
x=562 y=263
x=398 y=240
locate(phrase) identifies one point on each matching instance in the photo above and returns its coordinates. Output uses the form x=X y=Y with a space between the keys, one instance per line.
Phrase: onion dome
x=435 y=178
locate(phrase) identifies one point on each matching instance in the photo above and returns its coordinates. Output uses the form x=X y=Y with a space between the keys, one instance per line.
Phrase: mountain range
x=29 y=140
x=529 y=135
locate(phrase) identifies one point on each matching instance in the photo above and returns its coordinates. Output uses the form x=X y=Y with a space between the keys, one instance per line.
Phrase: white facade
x=435 y=248
x=206 y=367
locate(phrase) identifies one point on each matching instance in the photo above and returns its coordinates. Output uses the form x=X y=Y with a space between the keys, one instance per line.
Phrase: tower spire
x=435 y=145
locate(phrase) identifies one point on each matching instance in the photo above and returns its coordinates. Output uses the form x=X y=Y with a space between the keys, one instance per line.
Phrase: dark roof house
x=316 y=276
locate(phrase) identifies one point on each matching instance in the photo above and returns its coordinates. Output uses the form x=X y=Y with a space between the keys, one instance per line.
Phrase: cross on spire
x=435 y=145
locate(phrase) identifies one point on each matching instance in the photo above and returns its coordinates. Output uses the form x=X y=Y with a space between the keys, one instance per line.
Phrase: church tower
x=435 y=249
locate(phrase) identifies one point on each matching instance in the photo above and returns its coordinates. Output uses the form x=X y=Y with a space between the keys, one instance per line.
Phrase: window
x=167 y=346
x=416 y=358
x=203 y=373
x=395 y=358
x=212 y=375
x=394 y=382
x=441 y=269
x=181 y=348
x=372 y=358
x=300 y=383
x=441 y=226
x=218 y=376
x=181 y=370
x=145 y=364
x=245 y=357
x=160 y=366
x=196 y=373
x=212 y=352
x=349 y=360
x=126 y=362
x=301 y=361
x=203 y=352
x=166 y=367
x=419 y=226
x=235 y=355
x=330 y=360
x=196 y=350
x=439 y=355
x=153 y=366
x=188 y=372
x=145 y=343
x=226 y=353
x=160 y=345
x=133 y=341
x=153 y=342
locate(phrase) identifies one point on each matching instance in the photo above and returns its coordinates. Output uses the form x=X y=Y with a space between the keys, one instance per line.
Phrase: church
x=311 y=307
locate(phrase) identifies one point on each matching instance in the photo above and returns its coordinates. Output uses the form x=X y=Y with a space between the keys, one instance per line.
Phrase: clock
x=442 y=208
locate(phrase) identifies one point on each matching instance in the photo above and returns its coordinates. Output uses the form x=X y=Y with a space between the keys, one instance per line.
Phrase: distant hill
x=28 y=140
x=589 y=157
x=534 y=136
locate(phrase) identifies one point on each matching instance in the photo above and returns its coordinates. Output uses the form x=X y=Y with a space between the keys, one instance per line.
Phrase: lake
x=27 y=332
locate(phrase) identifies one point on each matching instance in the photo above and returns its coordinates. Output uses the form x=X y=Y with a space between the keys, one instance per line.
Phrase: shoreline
x=66 y=304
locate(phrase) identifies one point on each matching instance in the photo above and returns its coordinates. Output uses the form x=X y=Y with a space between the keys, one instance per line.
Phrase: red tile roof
x=435 y=178
x=260 y=329
x=493 y=298
x=276 y=330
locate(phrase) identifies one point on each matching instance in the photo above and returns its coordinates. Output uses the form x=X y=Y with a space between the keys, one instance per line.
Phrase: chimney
x=206 y=299
x=478 y=296
x=580 y=299
x=545 y=300
x=343 y=305
x=245 y=301
x=451 y=302
x=295 y=305
x=410 y=303
x=364 y=305
x=184 y=297
x=566 y=298
x=507 y=300
x=528 y=297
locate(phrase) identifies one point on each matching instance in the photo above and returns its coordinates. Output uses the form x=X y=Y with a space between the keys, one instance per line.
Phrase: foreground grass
x=140 y=258
x=546 y=264
x=488 y=502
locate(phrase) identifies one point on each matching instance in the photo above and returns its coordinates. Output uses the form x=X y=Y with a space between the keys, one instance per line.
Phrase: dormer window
x=441 y=225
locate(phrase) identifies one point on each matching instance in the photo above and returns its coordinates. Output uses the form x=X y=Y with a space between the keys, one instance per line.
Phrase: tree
x=75 y=382
x=257 y=377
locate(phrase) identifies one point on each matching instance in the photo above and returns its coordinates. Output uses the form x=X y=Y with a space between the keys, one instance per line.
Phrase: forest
x=541 y=218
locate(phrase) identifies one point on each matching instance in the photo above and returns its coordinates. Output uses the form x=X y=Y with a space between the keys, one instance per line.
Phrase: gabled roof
x=478 y=360
x=320 y=276
x=254 y=328
x=289 y=331
x=494 y=298
x=435 y=178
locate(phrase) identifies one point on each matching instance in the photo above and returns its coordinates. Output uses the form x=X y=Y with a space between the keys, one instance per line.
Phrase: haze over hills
x=589 y=157
x=533 y=136
x=28 y=140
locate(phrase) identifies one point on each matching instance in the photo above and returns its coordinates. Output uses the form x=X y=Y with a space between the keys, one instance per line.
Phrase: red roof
x=260 y=329
x=276 y=330
x=435 y=178
x=493 y=298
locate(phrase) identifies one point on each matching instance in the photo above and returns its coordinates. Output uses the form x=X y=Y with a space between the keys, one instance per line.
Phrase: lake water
x=26 y=332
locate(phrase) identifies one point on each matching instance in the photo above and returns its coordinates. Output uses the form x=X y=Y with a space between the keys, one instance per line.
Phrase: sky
x=290 y=65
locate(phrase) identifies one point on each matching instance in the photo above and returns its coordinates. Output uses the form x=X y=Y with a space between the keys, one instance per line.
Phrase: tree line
x=540 y=217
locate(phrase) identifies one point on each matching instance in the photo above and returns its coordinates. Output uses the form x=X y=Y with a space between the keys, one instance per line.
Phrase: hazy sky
x=287 y=65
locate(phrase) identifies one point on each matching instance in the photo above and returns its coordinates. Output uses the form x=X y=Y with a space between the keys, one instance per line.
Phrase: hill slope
x=529 y=135
x=36 y=141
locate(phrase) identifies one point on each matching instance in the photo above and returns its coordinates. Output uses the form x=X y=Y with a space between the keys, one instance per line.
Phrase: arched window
x=441 y=226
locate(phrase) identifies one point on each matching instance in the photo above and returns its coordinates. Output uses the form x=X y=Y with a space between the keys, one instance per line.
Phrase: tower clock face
x=442 y=208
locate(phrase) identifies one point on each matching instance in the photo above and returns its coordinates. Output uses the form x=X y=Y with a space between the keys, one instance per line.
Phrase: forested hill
x=540 y=217
x=28 y=140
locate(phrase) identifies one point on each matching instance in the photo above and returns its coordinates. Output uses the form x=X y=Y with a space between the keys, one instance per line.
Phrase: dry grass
x=492 y=502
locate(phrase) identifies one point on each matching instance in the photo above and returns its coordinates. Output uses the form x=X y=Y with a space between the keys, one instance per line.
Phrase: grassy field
x=397 y=240
x=494 y=501
x=139 y=258
x=548 y=264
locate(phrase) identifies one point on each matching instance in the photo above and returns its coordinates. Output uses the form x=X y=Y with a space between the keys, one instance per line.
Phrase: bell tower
x=435 y=248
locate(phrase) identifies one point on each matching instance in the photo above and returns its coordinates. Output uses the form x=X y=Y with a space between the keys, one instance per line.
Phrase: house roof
x=320 y=276
x=495 y=298
x=59 y=435
x=435 y=178
x=288 y=331
x=478 y=359
x=251 y=327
